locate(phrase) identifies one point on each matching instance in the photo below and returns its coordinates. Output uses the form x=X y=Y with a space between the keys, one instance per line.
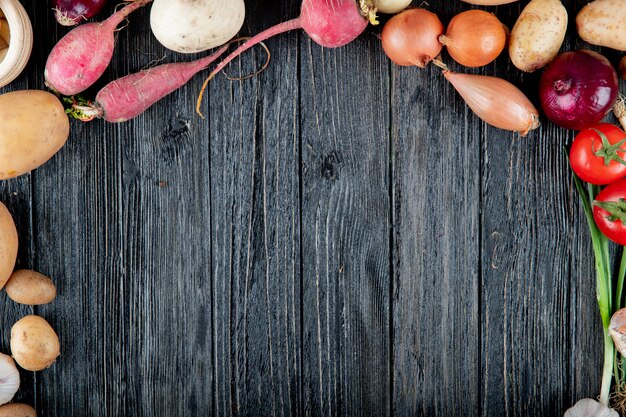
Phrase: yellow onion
x=412 y=37
x=496 y=101
x=474 y=38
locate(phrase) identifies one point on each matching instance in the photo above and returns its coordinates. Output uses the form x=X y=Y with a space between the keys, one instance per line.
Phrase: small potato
x=17 y=410
x=31 y=288
x=8 y=245
x=538 y=34
x=33 y=127
x=602 y=23
x=34 y=344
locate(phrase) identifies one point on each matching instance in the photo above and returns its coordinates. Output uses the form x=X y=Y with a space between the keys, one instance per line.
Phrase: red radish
x=330 y=23
x=82 y=56
x=73 y=12
x=129 y=96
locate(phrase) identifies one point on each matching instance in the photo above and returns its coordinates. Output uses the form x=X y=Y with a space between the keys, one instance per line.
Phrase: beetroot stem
x=255 y=40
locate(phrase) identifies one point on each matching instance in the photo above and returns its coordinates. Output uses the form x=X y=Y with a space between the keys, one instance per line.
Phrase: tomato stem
x=616 y=209
x=608 y=151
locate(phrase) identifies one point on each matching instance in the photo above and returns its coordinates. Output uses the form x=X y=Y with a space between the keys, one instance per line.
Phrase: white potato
x=602 y=23
x=538 y=34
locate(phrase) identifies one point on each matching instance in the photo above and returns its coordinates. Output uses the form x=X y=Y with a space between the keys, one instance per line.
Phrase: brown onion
x=412 y=37
x=496 y=101
x=474 y=38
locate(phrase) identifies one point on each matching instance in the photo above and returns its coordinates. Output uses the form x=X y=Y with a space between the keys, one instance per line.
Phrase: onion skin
x=578 y=89
x=474 y=38
x=74 y=12
x=411 y=38
x=496 y=101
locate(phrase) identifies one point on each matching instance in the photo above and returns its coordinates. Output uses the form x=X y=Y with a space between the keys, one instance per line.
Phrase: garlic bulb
x=590 y=408
x=9 y=378
x=617 y=329
x=391 y=6
x=20 y=43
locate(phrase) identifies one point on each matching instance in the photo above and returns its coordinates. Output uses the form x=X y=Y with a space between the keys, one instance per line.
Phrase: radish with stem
x=82 y=56
x=330 y=23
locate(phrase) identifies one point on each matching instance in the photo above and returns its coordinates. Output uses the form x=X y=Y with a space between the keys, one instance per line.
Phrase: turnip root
x=191 y=26
x=330 y=23
x=129 y=96
x=602 y=23
x=82 y=56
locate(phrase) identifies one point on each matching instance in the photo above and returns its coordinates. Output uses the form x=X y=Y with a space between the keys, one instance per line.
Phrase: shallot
x=73 y=12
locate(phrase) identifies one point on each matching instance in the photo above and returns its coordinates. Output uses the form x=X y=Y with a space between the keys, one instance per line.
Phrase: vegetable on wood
x=33 y=127
x=81 y=56
x=8 y=244
x=30 y=287
x=474 y=38
x=329 y=23
x=191 y=26
x=34 y=344
x=17 y=410
x=578 y=89
x=496 y=101
x=597 y=154
x=74 y=12
x=602 y=22
x=391 y=6
x=538 y=34
x=9 y=378
x=129 y=96
x=411 y=38
x=609 y=211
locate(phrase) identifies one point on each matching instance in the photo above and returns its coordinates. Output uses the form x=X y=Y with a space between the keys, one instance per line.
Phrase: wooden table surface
x=339 y=237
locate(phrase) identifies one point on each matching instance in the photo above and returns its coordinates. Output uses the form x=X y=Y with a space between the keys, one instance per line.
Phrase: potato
x=8 y=245
x=538 y=34
x=17 y=410
x=602 y=23
x=33 y=127
x=34 y=344
x=31 y=288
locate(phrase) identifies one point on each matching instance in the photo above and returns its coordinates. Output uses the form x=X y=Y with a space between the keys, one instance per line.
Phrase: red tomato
x=598 y=161
x=609 y=211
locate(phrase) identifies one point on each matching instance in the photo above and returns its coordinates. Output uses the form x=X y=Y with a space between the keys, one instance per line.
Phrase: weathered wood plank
x=255 y=190
x=345 y=228
x=436 y=212
x=529 y=232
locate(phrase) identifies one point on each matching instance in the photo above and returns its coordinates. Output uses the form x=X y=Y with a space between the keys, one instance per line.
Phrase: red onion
x=578 y=89
x=73 y=12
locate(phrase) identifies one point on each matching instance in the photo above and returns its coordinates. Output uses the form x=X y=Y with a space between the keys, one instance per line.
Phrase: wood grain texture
x=345 y=229
x=436 y=275
x=255 y=191
x=339 y=237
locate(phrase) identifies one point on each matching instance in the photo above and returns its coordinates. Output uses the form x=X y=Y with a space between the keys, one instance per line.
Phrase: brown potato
x=34 y=344
x=538 y=34
x=17 y=410
x=602 y=23
x=33 y=127
x=8 y=245
x=30 y=287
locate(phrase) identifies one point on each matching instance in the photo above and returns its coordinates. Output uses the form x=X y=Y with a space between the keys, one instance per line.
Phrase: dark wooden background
x=339 y=237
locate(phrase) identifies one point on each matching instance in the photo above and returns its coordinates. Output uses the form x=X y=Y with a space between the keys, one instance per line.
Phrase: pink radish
x=82 y=56
x=73 y=12
x=330 y=23
x=129 y=96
